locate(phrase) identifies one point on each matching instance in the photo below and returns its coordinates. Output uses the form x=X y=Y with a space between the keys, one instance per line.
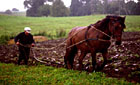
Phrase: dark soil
x=123 y=60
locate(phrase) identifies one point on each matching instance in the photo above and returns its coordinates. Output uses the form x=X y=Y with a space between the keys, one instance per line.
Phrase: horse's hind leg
x=66 y=57
x=69 y=57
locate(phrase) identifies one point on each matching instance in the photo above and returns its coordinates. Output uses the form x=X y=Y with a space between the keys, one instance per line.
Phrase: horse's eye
x=113 y=22
x=120 y=25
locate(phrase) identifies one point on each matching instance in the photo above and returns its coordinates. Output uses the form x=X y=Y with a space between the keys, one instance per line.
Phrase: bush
x=60 y=33
x=43 y=33
x=4 y=39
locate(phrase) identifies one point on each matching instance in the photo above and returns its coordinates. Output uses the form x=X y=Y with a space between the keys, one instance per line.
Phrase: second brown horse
x=93 y=39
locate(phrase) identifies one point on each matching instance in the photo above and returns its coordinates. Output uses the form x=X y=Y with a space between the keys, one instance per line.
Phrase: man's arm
x=33 y=42
x=17 y=39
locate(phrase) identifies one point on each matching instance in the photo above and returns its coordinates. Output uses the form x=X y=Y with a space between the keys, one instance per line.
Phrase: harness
x=89 y=39
x=97 y=38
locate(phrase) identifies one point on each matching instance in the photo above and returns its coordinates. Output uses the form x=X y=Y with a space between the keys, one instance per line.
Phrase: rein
x=65 y=41
x=29 y=46
x=101 y=31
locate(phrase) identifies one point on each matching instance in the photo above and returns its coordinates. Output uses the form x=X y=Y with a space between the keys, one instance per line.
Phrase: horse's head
x=116 y=27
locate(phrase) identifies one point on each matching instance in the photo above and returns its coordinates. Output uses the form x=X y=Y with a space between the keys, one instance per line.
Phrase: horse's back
x=74 y=34
x=75 y=30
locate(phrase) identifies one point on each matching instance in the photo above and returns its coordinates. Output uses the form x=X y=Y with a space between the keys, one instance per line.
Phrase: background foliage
x=81 y=7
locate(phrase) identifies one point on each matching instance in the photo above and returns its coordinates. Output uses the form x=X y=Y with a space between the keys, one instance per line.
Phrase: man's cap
x=27 y=29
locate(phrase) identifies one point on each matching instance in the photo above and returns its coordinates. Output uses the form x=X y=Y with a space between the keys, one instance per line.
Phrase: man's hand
x=17 y=43
x=33 y=44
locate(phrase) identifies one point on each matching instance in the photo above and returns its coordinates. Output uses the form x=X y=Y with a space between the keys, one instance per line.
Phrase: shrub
x=4 y=39
x=41 y=33
x=60 y=33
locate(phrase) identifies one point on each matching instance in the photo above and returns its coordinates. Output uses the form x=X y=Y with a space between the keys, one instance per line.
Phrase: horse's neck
x=103 y=31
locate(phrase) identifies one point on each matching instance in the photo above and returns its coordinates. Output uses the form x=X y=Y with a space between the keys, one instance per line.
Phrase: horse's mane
x=101 y=24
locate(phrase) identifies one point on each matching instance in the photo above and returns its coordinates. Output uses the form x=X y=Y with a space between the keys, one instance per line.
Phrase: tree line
x=88 y=7
x=38 y=8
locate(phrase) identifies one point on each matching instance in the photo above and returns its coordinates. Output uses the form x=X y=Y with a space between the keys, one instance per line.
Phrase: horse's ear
x=90 y=25
x=109 y=17
x=123 y=21
x=123 y=18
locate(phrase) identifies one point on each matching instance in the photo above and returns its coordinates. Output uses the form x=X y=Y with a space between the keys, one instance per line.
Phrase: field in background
x=50 y=25
x=21 y=13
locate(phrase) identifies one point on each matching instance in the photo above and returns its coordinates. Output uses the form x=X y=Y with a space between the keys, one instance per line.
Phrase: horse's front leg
x=81 y=57
x=93 y=54
x=104 y=54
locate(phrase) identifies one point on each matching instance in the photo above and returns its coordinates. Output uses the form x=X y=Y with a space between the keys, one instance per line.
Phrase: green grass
x=11 y=74
x=132 y=23
x=15 y=24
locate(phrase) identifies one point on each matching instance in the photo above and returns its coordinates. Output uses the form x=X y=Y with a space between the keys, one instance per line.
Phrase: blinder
x=115 y=28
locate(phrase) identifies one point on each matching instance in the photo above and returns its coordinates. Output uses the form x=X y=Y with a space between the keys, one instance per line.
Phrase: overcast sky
x=9 y=4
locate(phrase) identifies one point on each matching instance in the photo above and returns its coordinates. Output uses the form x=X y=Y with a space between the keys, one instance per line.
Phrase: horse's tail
x=69 y=57
x=70 y=53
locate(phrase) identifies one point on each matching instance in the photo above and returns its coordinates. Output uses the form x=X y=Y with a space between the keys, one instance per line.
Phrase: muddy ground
x=123 y=61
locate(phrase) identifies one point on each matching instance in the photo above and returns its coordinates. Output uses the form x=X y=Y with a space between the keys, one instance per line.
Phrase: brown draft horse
x=96 y=38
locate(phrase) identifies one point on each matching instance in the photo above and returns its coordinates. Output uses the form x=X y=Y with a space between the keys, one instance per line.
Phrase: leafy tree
x=96 y=7
x=113 y=8
x=58 y=9
x=131 y=7
x=8 y=12
x=15 y=9
x=105 y=6
x=76 y=8
x=33 y=6
x=123 y=9
x=44 y=10
x=138 y=8
x=86 y=8
x=81 y=7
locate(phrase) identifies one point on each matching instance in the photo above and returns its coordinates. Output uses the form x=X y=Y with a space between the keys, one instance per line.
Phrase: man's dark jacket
x=24 y=39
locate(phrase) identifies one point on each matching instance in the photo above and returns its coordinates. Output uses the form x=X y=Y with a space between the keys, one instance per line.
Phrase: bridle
x=114 y=28
x=113 y=35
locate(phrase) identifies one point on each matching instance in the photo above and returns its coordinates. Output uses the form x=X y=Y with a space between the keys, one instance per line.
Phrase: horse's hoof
x=99 y=69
